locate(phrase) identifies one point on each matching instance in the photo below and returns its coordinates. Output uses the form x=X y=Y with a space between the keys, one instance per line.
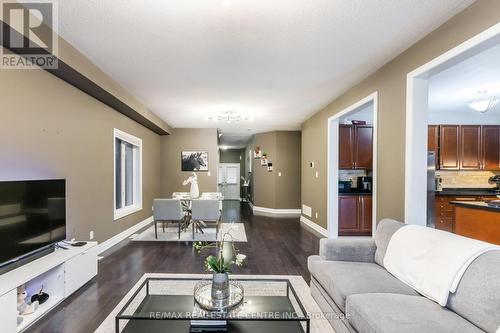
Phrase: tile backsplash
x=353 y=174
x=466 y=179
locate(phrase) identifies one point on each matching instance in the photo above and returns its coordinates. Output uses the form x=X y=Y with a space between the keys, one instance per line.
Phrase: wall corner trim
x=313 y=227
x=277 y=212
x=109 y=243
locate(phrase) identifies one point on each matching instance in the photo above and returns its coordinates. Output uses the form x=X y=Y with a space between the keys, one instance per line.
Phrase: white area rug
x=171 y=233
x=318 y=324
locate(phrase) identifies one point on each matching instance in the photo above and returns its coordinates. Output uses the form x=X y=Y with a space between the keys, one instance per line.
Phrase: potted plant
x=227 y=255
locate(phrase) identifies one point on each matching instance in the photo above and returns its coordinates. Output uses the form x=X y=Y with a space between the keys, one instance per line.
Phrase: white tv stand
x=61 y=273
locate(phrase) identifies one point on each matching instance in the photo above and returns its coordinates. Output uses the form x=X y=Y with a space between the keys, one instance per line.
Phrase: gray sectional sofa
x=357 y=294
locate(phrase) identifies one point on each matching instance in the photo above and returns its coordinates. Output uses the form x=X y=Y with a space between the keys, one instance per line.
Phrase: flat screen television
x=32 y=219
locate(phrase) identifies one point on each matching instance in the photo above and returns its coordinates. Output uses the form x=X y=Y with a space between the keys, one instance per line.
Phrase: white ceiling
x=235 y=140
x=364 y=113
x=452 y=90
x=278 y=61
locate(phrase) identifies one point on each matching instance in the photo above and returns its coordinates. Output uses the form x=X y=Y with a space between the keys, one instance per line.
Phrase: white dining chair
x=203 y=211
x=167 y=211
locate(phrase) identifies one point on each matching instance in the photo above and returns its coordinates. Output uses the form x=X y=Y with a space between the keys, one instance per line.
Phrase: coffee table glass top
x=170 y=300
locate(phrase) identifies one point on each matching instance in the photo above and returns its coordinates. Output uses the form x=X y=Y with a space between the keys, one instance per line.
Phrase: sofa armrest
x=343 y=249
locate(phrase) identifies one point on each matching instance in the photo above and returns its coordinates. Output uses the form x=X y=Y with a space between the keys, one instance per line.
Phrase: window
x=128 y=174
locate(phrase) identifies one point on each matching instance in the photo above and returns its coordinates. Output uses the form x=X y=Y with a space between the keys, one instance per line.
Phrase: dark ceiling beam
x=70 y=75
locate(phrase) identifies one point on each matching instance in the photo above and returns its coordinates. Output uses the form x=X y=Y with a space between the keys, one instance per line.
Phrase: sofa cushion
x=347 y=249
x=478 y=294
x=392 y=313
x=343 y=278
x=385 y=229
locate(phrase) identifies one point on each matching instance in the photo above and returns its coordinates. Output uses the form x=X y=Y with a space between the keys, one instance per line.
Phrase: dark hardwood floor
x=275 y=246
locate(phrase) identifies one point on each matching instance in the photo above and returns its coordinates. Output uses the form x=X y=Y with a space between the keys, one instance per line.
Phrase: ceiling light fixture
x=229 y=117
x=483 y=103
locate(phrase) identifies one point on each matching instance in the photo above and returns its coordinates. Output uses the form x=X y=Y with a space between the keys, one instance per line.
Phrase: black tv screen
x=32 y=217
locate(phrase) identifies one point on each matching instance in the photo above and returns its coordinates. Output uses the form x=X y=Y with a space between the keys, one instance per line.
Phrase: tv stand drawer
x=79 y=270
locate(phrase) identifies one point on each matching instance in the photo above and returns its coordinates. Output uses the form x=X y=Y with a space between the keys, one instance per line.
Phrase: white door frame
x=333 y=165
x=417 y=120
x=238 y=179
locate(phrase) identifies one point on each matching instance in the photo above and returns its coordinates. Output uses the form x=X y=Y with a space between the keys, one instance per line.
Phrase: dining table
x=186 y=199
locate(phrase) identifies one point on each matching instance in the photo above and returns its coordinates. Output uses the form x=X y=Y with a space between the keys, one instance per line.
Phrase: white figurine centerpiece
x=194 y=192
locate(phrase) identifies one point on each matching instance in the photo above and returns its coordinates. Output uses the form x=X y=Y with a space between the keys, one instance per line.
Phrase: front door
x=229 y=180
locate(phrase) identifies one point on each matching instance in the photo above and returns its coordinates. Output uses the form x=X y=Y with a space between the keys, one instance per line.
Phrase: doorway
x=229 y=180
x=357 y=208
x=417 y=108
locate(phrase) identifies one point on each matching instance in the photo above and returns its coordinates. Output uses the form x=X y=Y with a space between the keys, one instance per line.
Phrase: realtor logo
x=29 y=34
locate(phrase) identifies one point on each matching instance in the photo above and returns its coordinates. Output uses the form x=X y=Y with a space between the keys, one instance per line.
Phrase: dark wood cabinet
x=449 y=147
x=491 y=147
x=355 y=147
x=433 y=141
x=432 y=138
x=363 y=147
x=365 y=211
x=346 y=147
x=355 y=215
x=445 y=212
x=465 y=147
x=348 y=215
x=470 y=147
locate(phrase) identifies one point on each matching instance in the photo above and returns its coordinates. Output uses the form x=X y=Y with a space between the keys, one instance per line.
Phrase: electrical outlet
x=91 y=235
x=317 y=215
x=279 y=174
x=311 y=164
x=317 y=174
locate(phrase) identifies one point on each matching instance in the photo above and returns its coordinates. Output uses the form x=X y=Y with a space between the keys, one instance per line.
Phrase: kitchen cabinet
x=470 y=147
x=433 y=141
x=449 y=150
x=365 y=212
x=465 y=147
x=355 y=215
x=491 y=147
x=348 y=215
x=355 y=147
x=445 y=212
x=346 y=147
x=363 y=147
x=478 y=223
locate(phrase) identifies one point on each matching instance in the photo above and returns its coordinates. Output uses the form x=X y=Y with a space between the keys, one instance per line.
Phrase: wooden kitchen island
x=477 y=220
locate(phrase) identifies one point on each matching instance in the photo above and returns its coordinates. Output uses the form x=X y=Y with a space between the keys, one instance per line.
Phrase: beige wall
x=49 y=129
x=264 y=182
x=284 y=151
x=288 y=164
x=171 y=148
x=390 y=82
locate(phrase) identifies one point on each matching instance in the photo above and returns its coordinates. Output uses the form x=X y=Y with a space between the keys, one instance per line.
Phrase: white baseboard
x=123 y=235
x=277 y=212
x=313 y=227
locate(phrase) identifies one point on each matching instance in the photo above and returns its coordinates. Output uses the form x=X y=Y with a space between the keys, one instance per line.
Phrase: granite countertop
x=355 y=192
x=466 y=191
x=475 y=205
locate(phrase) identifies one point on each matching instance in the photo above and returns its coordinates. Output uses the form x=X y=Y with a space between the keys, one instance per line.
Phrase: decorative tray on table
x=203 y=296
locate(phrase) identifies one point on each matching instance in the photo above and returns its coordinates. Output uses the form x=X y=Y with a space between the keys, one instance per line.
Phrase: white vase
x=194 y=192
x=227 y=253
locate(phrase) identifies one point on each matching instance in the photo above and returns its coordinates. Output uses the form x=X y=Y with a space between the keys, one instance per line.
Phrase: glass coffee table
x=167 y=305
